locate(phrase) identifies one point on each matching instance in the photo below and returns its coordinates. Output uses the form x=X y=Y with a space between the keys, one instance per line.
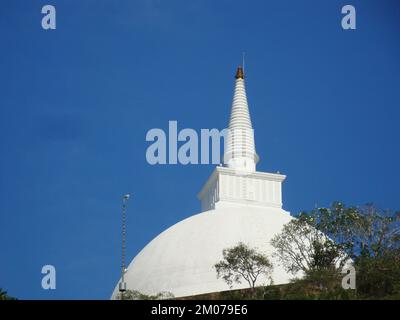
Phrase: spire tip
x=239 y=73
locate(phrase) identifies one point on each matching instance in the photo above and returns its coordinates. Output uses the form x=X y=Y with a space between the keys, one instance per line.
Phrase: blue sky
x=76 y=104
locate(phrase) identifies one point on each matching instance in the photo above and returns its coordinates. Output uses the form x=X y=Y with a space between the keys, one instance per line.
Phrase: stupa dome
x=180 y=260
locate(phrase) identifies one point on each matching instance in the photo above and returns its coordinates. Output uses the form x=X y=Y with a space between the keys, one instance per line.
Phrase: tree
x=379 y=276
x=5 y=296
x=300 y=246
x=241 y=262
x=364 y=230
x=327 y=237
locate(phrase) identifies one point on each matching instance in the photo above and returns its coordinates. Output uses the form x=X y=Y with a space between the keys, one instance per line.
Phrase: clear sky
x=76 y=104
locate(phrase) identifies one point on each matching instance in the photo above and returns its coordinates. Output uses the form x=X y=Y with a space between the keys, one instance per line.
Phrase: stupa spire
x=240 y=151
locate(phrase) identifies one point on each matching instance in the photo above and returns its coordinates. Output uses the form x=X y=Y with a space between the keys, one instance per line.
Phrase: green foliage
x=242 y=262
x=319 y=240
x=364 y=230
x=325 y=255
x=232 y=295
x=257 y=293
x=272 y=293
x=379 y=276
x=5 y=296
x=323 y=284
x=137 y=295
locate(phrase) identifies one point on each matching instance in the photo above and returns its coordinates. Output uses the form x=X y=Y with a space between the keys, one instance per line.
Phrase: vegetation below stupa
x=343 y=253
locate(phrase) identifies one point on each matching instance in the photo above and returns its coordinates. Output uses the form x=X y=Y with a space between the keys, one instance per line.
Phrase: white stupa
x=239 y=204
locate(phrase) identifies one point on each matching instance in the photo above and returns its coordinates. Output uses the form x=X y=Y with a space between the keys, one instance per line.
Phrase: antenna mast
x=122 y=284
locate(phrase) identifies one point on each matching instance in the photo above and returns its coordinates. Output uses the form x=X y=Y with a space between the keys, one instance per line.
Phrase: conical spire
x=240 y=152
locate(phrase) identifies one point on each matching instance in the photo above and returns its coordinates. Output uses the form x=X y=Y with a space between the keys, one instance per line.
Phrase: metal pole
x=122 y=285
x=123 y=238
